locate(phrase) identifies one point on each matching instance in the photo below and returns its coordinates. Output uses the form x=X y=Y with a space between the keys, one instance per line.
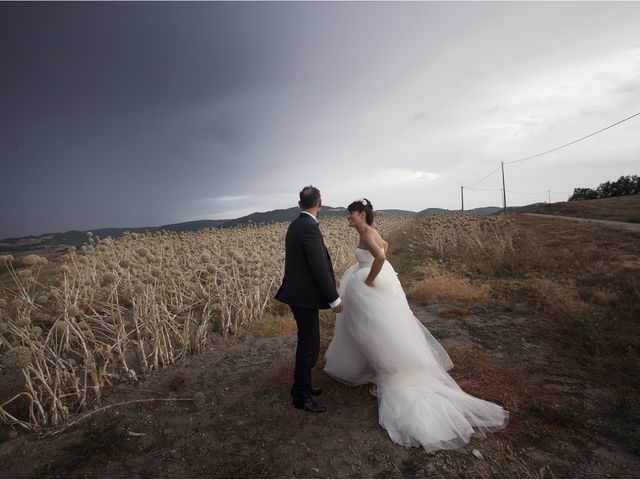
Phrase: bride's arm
x=378 y=255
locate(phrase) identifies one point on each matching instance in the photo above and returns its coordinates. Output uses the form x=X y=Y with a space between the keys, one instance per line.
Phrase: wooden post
x=504 y=192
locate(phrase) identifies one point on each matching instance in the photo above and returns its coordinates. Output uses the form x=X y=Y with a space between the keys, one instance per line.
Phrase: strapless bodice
x=364 y=258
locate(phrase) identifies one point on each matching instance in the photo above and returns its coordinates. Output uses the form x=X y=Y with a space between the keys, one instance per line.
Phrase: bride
x=378 y=339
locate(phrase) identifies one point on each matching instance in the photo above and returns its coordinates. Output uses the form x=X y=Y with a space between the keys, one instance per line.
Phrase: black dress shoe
x=309 y=405
x=314 y=391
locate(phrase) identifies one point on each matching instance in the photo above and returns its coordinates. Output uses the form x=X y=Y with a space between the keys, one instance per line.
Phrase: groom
x=309 y=284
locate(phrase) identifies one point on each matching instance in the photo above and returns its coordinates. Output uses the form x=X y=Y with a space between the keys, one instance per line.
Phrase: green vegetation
x=629 y=185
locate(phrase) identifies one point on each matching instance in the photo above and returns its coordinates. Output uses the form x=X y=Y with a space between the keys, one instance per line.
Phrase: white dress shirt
x=311 y=215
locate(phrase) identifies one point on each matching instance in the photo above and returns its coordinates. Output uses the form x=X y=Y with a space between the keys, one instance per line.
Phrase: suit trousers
x=307 y=351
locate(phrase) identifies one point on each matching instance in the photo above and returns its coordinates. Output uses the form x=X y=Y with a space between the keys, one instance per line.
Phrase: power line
x=484 y=178
x=527 y=193
x=511 y=191
x=575 y=141
x=483 y=189
x=502 y=164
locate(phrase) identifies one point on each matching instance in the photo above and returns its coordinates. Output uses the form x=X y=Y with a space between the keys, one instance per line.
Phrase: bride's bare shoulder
x=375 y=235
x=371 y=234
x=372 y=237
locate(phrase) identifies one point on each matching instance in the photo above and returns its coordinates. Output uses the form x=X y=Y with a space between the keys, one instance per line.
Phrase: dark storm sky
x=140 y=114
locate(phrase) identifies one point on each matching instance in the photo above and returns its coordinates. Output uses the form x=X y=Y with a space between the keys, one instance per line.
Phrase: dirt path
x=634 y=227
x=246 y=426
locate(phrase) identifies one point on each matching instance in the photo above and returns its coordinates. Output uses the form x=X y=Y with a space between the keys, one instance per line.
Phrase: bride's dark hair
x=362 y=205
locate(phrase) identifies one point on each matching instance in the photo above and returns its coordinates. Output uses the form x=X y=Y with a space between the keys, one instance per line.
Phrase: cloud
x=231 y=198
x=221 y=109
x=398 y=176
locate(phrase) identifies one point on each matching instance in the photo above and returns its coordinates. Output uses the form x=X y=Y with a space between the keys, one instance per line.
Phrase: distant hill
x=397 y=212
x=282 y=215
x=76 y=237
x=531 y=208
x=429 y=211
x=289 y=214
x=482 y=211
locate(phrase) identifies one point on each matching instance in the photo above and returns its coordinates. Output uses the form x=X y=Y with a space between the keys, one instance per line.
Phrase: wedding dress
x=378 y=339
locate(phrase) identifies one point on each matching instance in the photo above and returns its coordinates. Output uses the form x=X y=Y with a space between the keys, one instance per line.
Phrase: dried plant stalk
x=121 y=308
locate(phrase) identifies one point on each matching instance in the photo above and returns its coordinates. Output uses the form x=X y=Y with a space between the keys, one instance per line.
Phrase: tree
x=625 y=185
x=583 y=194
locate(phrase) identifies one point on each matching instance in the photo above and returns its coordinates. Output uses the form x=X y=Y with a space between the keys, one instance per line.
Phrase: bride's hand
x=368 y=282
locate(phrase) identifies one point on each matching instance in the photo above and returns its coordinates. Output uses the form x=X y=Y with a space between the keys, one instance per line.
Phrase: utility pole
x=504 y=192
x=549 y=191
x=462 y=196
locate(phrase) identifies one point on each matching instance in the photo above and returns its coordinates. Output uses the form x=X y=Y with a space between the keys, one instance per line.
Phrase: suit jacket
x=309 y=281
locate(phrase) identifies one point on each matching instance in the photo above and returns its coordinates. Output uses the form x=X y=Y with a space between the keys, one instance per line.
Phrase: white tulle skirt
x=378 y=339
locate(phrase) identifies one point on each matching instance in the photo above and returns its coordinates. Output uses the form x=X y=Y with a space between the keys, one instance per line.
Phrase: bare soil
x=246 y=426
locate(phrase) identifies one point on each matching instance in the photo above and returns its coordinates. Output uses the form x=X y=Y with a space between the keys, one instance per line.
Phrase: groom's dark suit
x=309 y=284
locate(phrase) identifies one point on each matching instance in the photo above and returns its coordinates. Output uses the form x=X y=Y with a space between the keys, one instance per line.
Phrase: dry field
x=622 y=209
x=538 y=314
x=570 y=293
x=118 y=309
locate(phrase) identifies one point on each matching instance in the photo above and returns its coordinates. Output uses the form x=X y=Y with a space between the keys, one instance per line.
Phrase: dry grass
x=555 y=298
x=449 y=288
x=115 y=310
x=478 y=375
x=599 y=265
x=273 y=326
x=577 y=283
x=504 y=462
x=520 y=395
x=559 y=269
x=622 y=209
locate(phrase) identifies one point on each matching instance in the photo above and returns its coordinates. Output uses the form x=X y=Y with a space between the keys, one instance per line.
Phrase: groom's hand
x=338 y=308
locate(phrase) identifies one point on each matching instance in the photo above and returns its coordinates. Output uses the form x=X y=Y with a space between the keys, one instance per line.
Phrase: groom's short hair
x=309 y=197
